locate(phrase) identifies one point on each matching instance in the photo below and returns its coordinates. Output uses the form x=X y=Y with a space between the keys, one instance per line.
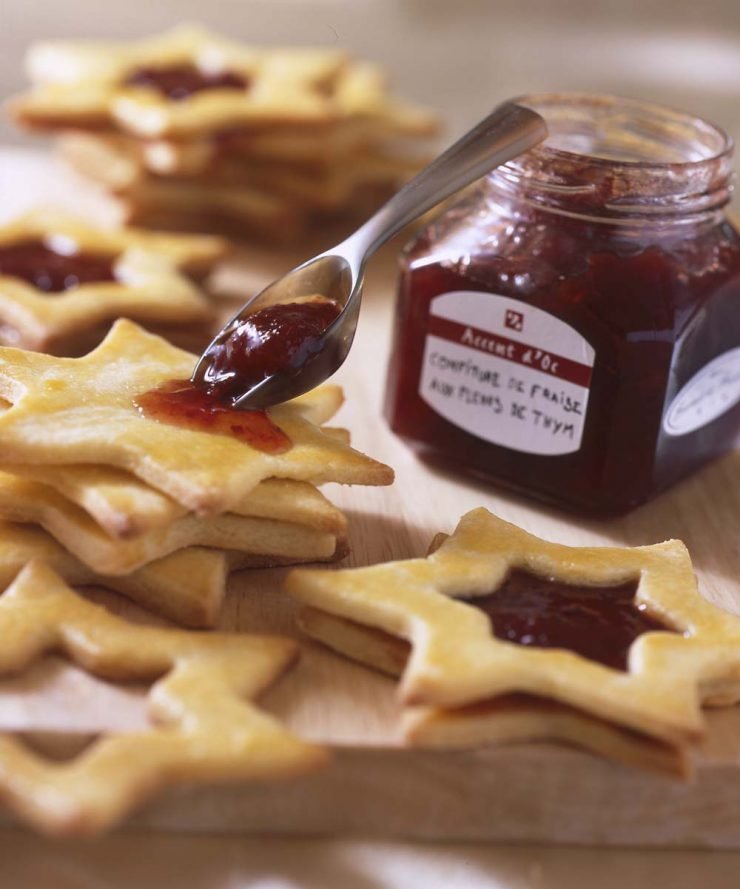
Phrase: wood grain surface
x=374 y=785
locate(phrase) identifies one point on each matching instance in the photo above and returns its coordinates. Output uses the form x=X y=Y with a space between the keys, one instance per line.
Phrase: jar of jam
x=571 y=327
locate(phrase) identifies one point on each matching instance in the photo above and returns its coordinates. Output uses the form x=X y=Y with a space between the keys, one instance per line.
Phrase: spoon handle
x=508 y=130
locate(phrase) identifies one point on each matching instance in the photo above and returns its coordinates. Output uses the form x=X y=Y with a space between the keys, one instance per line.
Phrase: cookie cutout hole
x=57 y=698
x=599 y=623
x=57 y=747
x=178 y=82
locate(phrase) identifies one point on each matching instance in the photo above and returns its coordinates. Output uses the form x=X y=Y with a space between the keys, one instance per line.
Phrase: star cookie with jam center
x=86 y=411
x=189 y=82
x=204 y=726
x=63 y=281
x=618 y=635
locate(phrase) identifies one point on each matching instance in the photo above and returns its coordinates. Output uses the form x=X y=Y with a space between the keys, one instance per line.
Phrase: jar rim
x=620 y=157
x=607 y=105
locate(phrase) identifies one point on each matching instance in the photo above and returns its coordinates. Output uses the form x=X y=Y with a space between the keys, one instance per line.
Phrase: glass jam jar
x=571 y=327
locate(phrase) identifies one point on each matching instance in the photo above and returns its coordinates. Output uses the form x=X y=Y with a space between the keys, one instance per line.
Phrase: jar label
x=506 y=372
x=707 y=395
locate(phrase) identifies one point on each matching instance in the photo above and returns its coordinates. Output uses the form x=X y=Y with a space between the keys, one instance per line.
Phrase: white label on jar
x=707 y=395
x=506 y=372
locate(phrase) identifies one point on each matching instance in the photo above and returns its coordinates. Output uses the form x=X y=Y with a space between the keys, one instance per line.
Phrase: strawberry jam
x=181 y=403
x=53 y=272
x=179 y=82
x=598 y=623
x=276 y=339
x=571 y=329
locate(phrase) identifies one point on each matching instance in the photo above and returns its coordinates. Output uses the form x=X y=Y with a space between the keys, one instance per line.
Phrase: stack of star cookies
x=500 y=637
x=192 y=131
x=161 y=509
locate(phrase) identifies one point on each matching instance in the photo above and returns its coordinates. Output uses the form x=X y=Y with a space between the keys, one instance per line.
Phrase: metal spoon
x=338 y=273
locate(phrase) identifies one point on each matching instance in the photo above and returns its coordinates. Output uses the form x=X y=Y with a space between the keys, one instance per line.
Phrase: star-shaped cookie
x=684 y=651
x=84 y=410
x=204 y=729
x=143 y=276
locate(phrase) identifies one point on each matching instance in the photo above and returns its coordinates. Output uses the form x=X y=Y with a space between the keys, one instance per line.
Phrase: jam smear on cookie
x=276 y=339
x=181 y=81
x=181 y=403
x=51 y=271
x=597 y=622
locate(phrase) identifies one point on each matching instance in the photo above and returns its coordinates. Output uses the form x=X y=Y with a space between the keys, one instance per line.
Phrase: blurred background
x=460 y=56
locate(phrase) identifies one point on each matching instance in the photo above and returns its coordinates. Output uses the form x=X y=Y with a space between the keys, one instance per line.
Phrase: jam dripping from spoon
x=276 y=339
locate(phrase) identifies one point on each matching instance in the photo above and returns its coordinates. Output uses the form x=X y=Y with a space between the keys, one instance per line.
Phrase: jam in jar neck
x=619 y=161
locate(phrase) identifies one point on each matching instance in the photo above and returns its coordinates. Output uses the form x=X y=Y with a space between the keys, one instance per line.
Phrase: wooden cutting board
x=374 y=785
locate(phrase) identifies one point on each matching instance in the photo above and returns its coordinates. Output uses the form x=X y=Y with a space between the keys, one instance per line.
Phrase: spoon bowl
x=331 y=275
x=338 y=273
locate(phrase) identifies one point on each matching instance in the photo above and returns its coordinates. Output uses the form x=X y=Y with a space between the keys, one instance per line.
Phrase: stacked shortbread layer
x=191 y=131
x=158 y=511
